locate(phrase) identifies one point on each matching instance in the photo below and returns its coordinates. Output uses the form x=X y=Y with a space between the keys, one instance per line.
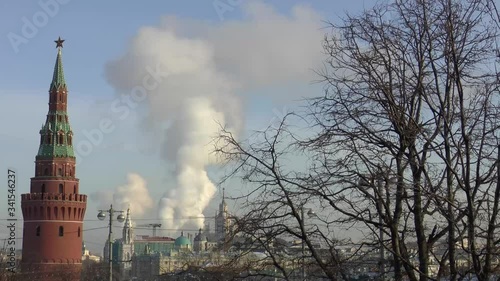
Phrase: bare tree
x=95 y=271
x=401 y=148
x=218 y=267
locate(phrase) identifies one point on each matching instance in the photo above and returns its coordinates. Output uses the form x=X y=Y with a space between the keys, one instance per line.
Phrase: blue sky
x=101 y=37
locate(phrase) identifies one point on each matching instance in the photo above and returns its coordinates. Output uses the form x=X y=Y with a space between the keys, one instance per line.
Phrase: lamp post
x=310 y=214
x=119 y=218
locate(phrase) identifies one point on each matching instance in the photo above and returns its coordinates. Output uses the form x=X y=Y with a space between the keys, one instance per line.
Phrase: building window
x=61 y=231
x=74 y=189
x=59 y=172
x=79 y=232
x=46 y=172
x=61 y=139
x=61 y=188
x=43 y=188
x=38 y=231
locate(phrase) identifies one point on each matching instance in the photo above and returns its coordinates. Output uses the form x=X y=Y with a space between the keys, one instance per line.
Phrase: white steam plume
x=187 y=202
x=193 y=100
x=134 y=194
x=206 y=64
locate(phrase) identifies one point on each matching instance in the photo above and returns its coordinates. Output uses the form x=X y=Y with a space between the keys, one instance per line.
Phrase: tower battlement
x=54 y=197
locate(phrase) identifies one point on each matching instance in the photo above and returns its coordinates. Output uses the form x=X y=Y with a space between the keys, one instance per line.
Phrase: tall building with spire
x=125 y=248
x=222 y=220
x=54 y=209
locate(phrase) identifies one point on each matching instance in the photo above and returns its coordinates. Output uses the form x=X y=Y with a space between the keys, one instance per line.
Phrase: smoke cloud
x=133 y=194
x=210 y=67
x=194 y=101
x=265 y=49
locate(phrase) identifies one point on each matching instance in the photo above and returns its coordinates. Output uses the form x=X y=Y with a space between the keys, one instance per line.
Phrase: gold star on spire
x=59 y=42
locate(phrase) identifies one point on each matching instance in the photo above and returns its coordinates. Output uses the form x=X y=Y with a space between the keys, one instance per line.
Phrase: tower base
x=50 y=272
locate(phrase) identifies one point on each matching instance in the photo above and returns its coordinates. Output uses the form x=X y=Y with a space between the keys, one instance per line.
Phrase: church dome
x=200 y=237
x=182 y=241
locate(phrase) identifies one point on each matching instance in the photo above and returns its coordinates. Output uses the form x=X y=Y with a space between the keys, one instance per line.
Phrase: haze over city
x=246 y=63
x=229 y=139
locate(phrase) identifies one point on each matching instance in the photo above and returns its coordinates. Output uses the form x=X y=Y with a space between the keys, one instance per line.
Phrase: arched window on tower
x=79 y=232
x=59 y=172
x=46 y=172
x=74 y=189
x=61 y=139
x=43 y=188
x=61 y=231
x=61 y=188
x=38 y=231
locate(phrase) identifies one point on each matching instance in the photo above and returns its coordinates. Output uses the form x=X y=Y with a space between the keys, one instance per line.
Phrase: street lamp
x=119 y=218
x=310 y=214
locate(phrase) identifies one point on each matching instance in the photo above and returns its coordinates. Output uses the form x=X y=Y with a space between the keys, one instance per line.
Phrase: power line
x=138 y=219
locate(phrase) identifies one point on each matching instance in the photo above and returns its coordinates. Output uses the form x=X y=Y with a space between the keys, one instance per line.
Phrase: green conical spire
x=58 y=81
x=56 y=134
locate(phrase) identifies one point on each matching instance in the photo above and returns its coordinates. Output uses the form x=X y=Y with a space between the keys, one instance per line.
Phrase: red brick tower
x=53 y=211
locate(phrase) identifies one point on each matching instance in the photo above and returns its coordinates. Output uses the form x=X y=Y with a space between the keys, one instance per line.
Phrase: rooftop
x=148 y=238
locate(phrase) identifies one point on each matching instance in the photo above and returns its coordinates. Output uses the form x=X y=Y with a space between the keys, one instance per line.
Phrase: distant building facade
x=144 y=257
x=222 y=221
x=123 y=249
